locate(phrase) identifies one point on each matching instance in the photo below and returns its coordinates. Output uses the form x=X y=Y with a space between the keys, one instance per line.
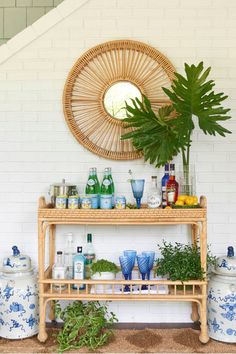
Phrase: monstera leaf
x=155 y=134
x=163 y=135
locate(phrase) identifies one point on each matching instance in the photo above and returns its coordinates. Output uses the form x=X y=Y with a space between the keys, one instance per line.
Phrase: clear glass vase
x=187 y=180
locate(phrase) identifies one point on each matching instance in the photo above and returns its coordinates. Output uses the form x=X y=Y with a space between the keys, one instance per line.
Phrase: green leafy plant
x=162 y=135
x=103 y=265
x=85 y=325
x=182 y=262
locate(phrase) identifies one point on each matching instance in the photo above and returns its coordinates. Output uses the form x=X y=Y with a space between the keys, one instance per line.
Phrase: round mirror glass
x=116 y=96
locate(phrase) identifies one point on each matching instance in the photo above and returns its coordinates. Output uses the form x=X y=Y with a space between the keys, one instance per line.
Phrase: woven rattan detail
x=92 y=75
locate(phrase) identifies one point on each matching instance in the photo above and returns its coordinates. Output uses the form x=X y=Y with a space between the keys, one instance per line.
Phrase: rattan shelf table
x=194 y=291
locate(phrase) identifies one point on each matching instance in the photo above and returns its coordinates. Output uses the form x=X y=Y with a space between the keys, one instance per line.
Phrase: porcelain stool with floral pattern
x=222 y=299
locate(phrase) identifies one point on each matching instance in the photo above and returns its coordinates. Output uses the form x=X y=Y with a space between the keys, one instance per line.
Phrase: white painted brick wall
x=37 y=148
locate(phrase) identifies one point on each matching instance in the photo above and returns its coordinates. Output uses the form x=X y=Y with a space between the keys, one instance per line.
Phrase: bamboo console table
x=192 y=291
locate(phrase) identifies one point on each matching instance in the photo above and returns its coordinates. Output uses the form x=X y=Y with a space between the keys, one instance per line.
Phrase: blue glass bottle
x=79 y=268
x=164 y=181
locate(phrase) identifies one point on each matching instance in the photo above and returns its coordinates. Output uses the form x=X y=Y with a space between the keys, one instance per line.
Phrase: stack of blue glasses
x=145 y=264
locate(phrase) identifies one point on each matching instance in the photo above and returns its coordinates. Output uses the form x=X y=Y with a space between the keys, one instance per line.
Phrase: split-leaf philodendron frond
x=162 y=135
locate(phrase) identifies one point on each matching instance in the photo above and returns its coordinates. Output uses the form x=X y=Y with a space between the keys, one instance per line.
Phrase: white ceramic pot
x=222 y=302
x=103 y=276
x=19 y=312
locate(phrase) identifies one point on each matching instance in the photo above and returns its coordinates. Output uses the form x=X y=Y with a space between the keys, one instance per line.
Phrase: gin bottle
x=154 y=196
x=89 y=254
x=79 y=268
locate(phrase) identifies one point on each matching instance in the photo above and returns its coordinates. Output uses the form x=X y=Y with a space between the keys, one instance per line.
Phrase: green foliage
x=181 y=262
x=160 y=135
x=85 y=325
x=103 y=265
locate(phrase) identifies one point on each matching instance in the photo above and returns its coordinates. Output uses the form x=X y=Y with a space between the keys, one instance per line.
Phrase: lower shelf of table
x=123 y=290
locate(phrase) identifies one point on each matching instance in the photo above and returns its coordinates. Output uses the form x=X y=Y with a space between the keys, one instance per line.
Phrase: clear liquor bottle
x=59 y=271
x=69 y=254
x=89 y=254
x=154 y=195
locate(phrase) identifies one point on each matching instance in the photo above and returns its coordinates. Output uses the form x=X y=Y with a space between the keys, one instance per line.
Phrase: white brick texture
x=37 y=148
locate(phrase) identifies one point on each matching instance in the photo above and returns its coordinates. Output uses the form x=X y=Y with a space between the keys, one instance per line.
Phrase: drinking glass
x=132 y=255
x=126 y=268
x=151 y=255
x=143 y=268
x=137 y=188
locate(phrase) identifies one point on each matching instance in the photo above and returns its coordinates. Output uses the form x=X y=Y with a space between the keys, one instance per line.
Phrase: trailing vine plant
x=84 y=325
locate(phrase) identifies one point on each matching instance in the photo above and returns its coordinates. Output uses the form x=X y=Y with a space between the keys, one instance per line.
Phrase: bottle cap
x=230 y=251
x=154 y=177
x=172 y=166
x=166 y=167
x=89 y=237
x=79 y=249
x=59 y=252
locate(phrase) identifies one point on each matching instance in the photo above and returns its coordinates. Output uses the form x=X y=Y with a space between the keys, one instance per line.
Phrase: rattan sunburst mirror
x=99 y=83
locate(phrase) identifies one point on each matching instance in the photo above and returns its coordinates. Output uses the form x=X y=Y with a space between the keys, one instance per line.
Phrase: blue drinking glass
x=132 y=255
x=151 y=255
x=126 y=268
x=137 y=188
x=143 y=267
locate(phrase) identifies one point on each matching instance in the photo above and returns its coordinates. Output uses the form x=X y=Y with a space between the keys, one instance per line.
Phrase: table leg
x=52 y=230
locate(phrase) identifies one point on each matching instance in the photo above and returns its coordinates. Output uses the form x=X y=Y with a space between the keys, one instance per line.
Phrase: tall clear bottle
x=89 y=254
x=79 y=268
x=106 y=191
x=59 y=271
x=69 y=254
x=172 y=187
x=164 y=181
x=93 y=187
x=154 y=195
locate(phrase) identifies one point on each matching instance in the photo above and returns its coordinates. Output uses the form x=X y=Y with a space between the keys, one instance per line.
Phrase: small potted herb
x=104 y=270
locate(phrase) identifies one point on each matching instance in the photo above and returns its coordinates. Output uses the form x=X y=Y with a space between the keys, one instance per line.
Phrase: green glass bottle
x=93 y=187
x=112 y=186
x=106 y=191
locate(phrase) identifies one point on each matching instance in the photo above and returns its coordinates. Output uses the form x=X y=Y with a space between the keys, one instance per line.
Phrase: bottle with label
x=172 y=187
x=89 y=254
x=93 y=187
x=154 y=195
x=106 y=192
x=69 y=254
x=112 y=186
x=164 y=181
x=79 y=268
x=59 y=271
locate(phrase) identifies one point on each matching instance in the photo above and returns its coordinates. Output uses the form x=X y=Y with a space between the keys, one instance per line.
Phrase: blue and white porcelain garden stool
x=222 y=299
x=19 y=312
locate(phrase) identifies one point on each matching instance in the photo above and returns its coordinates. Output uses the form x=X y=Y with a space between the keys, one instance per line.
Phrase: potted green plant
x=103 y=270
x=181 y=262
x=164 y=134
x=84 y=325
